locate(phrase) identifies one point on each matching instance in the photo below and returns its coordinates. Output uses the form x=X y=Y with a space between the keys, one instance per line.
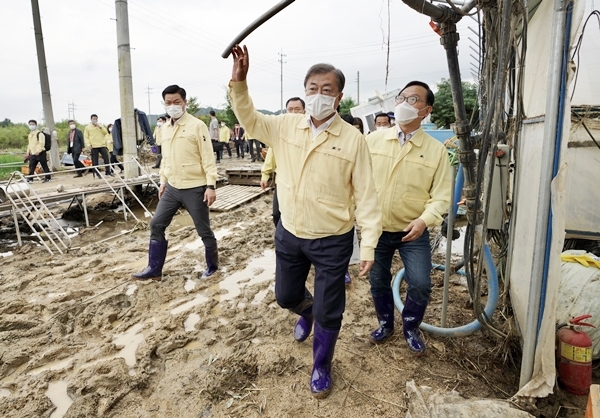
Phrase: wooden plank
x=232 y=196
x=593 y=405
x=249 y=176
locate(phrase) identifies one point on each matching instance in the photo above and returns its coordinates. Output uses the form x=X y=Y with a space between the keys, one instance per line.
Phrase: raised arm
x=256 y=125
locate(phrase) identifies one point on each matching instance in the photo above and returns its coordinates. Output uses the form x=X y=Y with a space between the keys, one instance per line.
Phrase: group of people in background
x=95 y=138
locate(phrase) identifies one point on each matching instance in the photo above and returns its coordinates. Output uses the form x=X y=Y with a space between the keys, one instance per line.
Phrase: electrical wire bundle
x=499 y=116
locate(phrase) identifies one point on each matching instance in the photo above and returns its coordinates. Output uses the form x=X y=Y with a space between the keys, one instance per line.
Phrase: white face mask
x=72 y=126
x=95 y=121
x=320 y=106
x=159 y=124
x=382 y=128
x=175 y=111
x=405 y=113
x=32 y=127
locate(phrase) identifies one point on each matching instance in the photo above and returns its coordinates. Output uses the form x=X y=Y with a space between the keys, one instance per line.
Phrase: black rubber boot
x=304 y=324
x=412 y=315
x=157 y=252
x=384 y=307
x=212 y=261
x=158 y=160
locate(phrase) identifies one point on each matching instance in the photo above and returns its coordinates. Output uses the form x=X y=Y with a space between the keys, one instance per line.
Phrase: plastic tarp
x=526 y=197
x=579 y=294
x=423 y=402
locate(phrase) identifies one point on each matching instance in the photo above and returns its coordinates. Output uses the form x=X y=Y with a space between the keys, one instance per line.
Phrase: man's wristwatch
x=210 y=187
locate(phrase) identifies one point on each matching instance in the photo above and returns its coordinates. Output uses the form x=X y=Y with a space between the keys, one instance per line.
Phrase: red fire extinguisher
x=575 y=356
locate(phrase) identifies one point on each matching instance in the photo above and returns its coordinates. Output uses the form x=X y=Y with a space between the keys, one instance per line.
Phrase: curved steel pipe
x=437 y=13
x=254 y=25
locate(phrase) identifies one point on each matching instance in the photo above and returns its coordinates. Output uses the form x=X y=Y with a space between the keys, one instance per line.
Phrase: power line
x=281 y=61
x=71 y=111
x=149 y=89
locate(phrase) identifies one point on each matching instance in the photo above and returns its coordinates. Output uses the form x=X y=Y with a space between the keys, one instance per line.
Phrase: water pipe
x=559 y=136
x=254 y=25
x=490 y=307
x=458 y=187
x=449 y=235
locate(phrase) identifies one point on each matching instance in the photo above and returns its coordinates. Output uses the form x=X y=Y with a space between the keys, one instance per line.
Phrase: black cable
x=586 y=128
x=577 y=49
x=475 y=286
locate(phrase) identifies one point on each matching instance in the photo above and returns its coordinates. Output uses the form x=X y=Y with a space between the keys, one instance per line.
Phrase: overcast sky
x=181 y=41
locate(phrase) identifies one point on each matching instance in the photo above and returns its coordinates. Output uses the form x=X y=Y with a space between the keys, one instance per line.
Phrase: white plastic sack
x=579 y=294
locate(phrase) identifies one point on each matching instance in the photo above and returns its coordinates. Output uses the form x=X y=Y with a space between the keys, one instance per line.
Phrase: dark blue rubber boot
x=157 y=252
x=384 y=307
x=323 y=349
x=412 y=315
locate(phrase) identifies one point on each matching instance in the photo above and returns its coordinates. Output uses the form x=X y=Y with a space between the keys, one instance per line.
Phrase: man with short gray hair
x=322 y=164
x=413 y=177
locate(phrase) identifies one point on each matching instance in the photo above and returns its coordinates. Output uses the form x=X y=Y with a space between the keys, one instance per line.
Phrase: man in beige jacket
x=94 y=135
x=322 y=163
x=36 y=152
x=188 y=175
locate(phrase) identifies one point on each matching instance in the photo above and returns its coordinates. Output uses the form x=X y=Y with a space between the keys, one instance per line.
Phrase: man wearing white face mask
x=382 y=121
x=322 y=162
x=188 y=175
x=157 y=139
x=75 y=145
x=413 y=177
x=36 y=153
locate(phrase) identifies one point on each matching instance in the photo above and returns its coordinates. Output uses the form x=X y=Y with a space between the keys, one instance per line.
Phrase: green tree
x=193 y=106
x=227 y=114
x=443 y=108
x=14 y=137
x=346 y=105
x=6 y=123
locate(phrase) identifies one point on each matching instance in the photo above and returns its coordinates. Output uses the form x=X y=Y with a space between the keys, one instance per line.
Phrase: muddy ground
x=80 y=338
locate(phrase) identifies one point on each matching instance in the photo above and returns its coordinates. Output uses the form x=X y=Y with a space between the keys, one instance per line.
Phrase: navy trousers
x=330 y=256
x=192 y=200
x=276 y=212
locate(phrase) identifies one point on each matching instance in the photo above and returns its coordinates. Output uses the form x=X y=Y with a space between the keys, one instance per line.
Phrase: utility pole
x=45 y=84
x=126 y=90
x=358 y=87
x=148 y=89
x=72 y=110
x=281 y=54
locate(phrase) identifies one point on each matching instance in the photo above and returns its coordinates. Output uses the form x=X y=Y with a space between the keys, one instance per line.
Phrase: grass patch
x=9 y=163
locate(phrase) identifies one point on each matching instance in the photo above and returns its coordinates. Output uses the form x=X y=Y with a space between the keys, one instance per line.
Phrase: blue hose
x=490 y=307
x=443 y=268
x=460 y=182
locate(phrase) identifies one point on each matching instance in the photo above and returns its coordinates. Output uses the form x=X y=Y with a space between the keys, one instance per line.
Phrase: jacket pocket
x=328 y=215
x=192 y=171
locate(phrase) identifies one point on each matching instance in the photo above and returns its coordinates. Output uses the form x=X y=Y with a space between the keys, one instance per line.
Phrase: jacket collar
x=182 y=120
x=416 y=139
x=335 y=128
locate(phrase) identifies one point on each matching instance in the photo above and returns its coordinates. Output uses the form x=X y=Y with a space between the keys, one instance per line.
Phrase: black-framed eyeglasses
x=411 y=99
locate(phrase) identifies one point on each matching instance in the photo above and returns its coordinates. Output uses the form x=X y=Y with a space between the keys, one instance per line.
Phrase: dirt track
x=77 y=334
